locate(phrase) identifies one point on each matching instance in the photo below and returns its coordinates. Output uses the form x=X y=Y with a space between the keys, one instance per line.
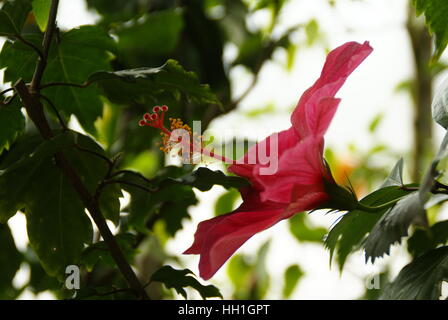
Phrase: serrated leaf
x=424 y=240
x=348 y=234
x=421 y=279
x=12 y=16
x=395 y=177
x=78 y=53
x=394 y=225
x=435 y=12
x=41 y=10
x=12 y=123
x=179 y=279
x=411 y=209
x=144 y=83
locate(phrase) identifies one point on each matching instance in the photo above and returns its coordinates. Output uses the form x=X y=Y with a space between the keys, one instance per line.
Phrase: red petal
x=218 y=238
x=313 y=115
x=245 y=166
x=301 y=166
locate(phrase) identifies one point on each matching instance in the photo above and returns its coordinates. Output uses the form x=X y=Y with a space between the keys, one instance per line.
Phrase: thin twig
x=30 y=44
x=46 y=44
x=99 y=155
x=55 y=110
x=6 y=91
x=137 y=174
x=132 y=184
x=66 y=84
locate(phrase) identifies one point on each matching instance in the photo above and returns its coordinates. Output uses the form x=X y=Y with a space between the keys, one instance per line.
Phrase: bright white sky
x=369 y=91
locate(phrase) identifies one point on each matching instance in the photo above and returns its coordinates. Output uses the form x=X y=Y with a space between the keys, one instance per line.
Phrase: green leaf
x=160 y=31
x=409 y=210
x=292 y=277
x=12 y=16
x=312 y=32
x=169 y=204
x=41 y=10
x=226 y=202
x=117 y=10
x=395 y=177
x=10 y=260
x=110 y=202
x=350 y=231
x=99 y=251
x=39 y=280
x=435 y=12
x=301 y=230
x=179 y=279
x=440 y=105
x=394 y=225
x=423 y=241
x=58 y=227
x=421 y=279
x=78 y=53
x=22 y=173
x=249 y=275
x=204 y=179
x=144 y=83
x=257 y=49
x=12 y=123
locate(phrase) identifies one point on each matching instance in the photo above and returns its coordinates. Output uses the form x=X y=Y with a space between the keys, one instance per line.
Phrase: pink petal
x=301 y=166
x=245 y=166
x=313 y=115
x=218 y=238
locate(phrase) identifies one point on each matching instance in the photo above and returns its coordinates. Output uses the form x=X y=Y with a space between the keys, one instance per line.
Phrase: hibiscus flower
x=302 y=180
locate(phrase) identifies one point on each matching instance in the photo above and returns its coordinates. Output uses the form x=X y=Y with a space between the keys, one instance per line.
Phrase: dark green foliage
x=12 y=16
x=204 y=179
x=351 y=230
x=12 y=123
x=10 y=260
x=127 y=86
x=435 y=12
x=180 y=279
x=421 y=279
x=424 y=240
x=74 y=56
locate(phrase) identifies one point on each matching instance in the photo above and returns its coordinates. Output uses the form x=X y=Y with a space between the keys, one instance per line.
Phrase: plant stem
x=386 y=205
x=46 y=44
x=34 y=108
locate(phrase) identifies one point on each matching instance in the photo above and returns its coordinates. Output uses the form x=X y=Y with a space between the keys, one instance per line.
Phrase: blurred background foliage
x=147 y=33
